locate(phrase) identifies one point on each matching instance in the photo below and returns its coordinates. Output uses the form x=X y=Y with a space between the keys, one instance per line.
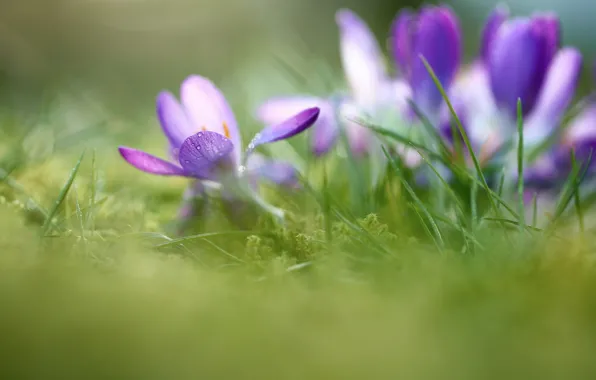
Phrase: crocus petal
x=494 y=21
x=279 y=172
x=277 y=110
x=580 y=135
x=173 y=119
x=516 y=66
x=548 y=27
x=202 y=154
x=290 y=127
x=359 y=137
x=542 y=173
x=209 y=110
x=325 y=130
x=556 y=95
x=361 y=58
x=439 y=41
x=149 y=163
x=401 y=40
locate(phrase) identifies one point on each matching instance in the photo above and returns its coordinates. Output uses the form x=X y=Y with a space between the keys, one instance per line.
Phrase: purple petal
x=209 y=110
x=279 y=172
x=325 y=131
x=402 y=39
x=173 y=119
x=204 y=153
x=516 y=66
x=290 y=127
x=277 y=110
x=582 y=127
x=542 y=173
x=362 y=59
x=556 y=95
x=548 y=27
x=439 y=41
x=494 y=21
x=580 y=135
x=149 y=163
x=359 y=137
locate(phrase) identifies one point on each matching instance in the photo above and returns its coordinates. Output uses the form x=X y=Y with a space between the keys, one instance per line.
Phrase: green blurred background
x=121 y=52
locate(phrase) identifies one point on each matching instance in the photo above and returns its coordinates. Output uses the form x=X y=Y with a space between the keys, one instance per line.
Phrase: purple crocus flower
x=435 y=34
x=370 y=87
x=520 y=59
x=205 y=143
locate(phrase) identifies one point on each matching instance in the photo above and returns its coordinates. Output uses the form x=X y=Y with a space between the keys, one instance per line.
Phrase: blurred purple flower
x=371 y=91
x=433 y=33
x=205 y=143
x=519 y=59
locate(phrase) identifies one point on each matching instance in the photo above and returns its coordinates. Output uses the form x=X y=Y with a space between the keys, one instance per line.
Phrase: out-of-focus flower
x=371 y=92
x=520 y=59
x=433 y=33
x=205 y=143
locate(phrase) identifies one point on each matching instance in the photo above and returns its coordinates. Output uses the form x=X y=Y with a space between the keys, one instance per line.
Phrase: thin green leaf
x=463 y=134
x=46 y=228
x=577 y=198
x=436 y=231
x=404 y=140
x=534 y=210
x=187 y=239
x=520 y=164
x=571 y=185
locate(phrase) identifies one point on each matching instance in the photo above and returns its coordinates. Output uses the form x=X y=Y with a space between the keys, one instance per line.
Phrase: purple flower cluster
x=519 y=59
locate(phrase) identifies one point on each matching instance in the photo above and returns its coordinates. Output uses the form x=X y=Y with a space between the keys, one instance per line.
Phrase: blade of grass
x=327 y=208
x=224 y=252
x=16 y=186
x=520 y=165
x=577 y=198
x=534 y=210
x=430 y=129
x=47 y=226
x=474 y=205
x=357 y=180
x=92 y=191
x=424 y=225
x=435 y=228
x=404 y=140
x=463 y=134
x=573 y=182
x=186 y=239
x=448 y=189
x=512 y=222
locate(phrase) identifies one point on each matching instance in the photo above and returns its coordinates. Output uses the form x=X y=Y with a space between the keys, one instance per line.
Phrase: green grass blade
x=534 y=210
x=47 y=226
x=445 y=185
x=513 y=222
x=520 y=164
x=191 y=238
x=404 y=140
x=437 y=236
x=430 y=129
x=577 y=197
x=571 y=185
x=474 y=204
x=463 y=134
